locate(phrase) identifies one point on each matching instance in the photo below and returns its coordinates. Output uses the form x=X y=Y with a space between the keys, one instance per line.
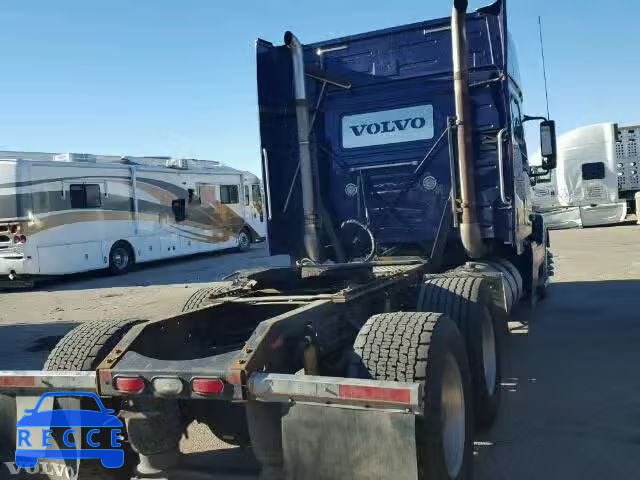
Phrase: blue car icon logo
x=77 y=433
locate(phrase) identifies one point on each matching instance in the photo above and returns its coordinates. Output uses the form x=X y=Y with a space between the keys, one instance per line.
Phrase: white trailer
x=628 y=158
x=66 y=216
x=584 y=189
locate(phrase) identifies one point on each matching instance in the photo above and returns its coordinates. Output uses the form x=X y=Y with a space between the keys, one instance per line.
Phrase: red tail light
x=378 y=394
x=207 y=386
x=129 y=384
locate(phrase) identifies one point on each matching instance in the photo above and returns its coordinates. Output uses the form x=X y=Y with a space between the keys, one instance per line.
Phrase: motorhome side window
x=229 y=194
x=85 y=195
x=256 y=194
x=208 y=195
x=246 y=195
x=593 y=171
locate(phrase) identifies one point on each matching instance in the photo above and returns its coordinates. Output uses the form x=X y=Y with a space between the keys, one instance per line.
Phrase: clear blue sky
x=169 y=77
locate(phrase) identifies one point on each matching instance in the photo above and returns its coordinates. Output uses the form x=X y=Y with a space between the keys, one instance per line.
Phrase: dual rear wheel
x=426 y=348
x=467 y=301
x=455 y=354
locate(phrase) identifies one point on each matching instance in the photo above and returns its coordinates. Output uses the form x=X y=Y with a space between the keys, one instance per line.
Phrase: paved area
x=571 y=396
x=571 y=393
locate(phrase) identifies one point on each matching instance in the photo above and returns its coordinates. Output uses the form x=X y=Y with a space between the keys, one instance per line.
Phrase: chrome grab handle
x=503 y=195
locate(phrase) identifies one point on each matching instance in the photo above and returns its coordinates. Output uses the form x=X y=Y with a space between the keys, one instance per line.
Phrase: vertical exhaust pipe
x=470 y=233
x=311 y=217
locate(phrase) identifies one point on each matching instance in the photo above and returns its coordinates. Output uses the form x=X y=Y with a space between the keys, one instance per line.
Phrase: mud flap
x=329 y=442
x=51 y=468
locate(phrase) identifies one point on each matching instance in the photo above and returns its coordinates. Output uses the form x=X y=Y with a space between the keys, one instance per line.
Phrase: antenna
x=544 y=66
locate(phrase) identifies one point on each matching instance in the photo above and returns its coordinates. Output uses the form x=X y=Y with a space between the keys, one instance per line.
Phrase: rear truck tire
x=425 y=348
x=83 y=348
x=201 y=297
x=467 y=301
x=121 y=258
x=244 y=240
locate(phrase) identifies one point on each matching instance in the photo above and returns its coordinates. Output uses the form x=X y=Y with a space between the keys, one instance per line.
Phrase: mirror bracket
x=528 y=118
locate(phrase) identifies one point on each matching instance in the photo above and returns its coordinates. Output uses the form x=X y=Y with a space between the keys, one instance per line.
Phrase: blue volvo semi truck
x=396 y=179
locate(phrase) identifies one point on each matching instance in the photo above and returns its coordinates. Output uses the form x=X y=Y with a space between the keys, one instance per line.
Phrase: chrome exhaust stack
x=470 y=233
x=309 y=207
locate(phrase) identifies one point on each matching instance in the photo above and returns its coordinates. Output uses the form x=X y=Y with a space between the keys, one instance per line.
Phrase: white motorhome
x=75 y=213
x=584 y=189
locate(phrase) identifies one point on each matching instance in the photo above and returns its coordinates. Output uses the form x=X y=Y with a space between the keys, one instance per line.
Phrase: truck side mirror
x=548 y=144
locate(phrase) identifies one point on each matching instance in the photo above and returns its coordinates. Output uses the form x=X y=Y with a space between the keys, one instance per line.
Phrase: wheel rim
x=243 y=240
x=120 y=258
x=489 y=360
x=453 y=417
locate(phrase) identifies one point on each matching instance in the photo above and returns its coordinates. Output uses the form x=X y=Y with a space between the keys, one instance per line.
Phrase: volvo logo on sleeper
x=388 y=126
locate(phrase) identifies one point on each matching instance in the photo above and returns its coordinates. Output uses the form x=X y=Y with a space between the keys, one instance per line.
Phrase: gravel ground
x=571 y=393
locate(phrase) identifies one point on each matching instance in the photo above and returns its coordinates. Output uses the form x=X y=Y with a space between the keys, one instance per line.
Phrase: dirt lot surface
x=32 y=320
x=571 y=392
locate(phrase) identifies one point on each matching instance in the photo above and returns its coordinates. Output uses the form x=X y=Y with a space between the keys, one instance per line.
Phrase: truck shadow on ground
x=226 y=461
x=569 y=388
x=26 y=346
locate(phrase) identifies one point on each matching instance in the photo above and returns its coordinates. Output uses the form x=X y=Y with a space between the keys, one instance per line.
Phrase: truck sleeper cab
x=381 y=103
